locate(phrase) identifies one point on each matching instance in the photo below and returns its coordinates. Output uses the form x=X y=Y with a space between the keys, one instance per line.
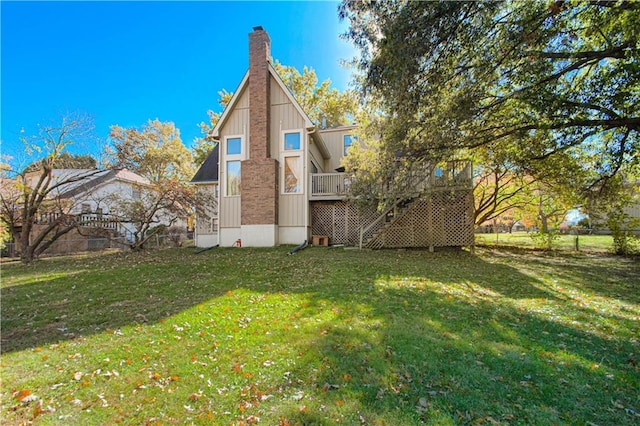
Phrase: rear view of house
x=277 y=178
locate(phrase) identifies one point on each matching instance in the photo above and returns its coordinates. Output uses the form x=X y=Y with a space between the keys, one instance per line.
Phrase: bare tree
x=32 y=201
x=154 y=205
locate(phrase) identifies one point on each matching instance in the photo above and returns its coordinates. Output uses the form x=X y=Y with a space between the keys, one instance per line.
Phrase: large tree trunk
x=27 y=253
x=544 y=222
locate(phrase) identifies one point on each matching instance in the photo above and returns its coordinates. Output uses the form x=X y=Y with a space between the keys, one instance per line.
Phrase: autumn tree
x=157 y=153
x=320 y=101
x=32 y=203
x=498 y=189
x=69 y=161
x=533 y=81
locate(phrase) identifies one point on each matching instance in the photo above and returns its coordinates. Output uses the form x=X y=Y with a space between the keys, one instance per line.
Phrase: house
x=278 y=178
x=92 y=198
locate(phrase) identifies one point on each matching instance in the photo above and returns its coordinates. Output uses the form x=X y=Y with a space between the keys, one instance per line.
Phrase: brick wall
x=259 y=189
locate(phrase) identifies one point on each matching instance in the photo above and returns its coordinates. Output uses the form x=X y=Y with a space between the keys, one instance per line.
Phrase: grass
x=245 y=336
x=586 y=243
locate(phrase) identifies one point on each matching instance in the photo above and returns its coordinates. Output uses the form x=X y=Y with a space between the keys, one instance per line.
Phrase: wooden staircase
x=369 y=233
x=375 y=241
x=435 y=219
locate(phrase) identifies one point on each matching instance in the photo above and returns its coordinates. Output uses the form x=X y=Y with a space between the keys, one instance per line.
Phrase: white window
x=292 y=174
x=233 y=178
x=348 y=141
x=233 y=151
x=291 y=160
x=234 y=146
x=292 y=141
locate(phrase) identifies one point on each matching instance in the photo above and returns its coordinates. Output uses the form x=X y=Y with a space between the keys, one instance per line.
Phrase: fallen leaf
x=20 y=395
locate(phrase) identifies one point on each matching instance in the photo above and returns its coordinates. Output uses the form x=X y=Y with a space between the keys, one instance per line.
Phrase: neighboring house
x=206 y=181
x=278 y=178
x=92 y=197
x=631 y=212
x=94 y=194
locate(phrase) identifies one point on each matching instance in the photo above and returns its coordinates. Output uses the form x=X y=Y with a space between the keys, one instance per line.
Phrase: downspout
x=307 y=186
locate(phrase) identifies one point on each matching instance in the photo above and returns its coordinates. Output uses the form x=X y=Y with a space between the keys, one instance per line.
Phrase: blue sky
x=126 y=62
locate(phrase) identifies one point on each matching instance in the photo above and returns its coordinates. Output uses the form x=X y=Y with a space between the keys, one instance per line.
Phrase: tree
x=32 y=202
x=69 y=161
x=203 y=145
x=547 y=210
x=319 y=101
x=158 y=205
x=157 y=153
x=498 y=190
x=612 y=210
x=536 y=81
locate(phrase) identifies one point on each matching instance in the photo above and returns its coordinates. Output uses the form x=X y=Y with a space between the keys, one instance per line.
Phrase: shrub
x=545 y=240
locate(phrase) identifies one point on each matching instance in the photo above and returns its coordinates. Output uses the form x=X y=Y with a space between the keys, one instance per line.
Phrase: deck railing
x=330 y=185
x=85 y=220
x=98 y=220
x=446 y=175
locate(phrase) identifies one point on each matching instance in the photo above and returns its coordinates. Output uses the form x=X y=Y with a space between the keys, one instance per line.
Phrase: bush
x=624 y=242
x=545 y=240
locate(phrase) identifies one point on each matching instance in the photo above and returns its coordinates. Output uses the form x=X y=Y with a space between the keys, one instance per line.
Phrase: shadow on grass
x=61 y=299
x=444 y=337
x=459 y=348
x=449 y=359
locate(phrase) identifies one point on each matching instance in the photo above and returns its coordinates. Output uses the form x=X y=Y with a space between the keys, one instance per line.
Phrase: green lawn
x=246 y=336
x=586 y=243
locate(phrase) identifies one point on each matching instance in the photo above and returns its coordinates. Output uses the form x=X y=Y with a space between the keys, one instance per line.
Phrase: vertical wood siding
x=236 y=124
x=335 y=145
x=284 y=116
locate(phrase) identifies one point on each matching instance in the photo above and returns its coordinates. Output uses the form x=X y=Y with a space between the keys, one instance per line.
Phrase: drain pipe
x=302 y=246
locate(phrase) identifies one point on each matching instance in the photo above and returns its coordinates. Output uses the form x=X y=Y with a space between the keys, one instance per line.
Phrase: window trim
x=300 y=178
x=288 y=132
x=233 y=157
x=345 y=148
x=285 y=153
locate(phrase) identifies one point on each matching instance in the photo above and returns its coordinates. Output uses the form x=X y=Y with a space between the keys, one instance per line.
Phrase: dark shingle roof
x=208 y=171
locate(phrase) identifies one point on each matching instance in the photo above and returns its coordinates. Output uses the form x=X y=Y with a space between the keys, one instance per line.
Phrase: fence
x=568 y=242
x=68 y=246
x=82 y=245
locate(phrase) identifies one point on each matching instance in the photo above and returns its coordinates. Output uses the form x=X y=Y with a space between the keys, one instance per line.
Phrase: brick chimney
x=259 y=93
x=259 y=184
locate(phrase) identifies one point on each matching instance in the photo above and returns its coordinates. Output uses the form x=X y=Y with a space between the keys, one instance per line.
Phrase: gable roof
x=236 y=95
x=208 y=171
x=101 y=177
